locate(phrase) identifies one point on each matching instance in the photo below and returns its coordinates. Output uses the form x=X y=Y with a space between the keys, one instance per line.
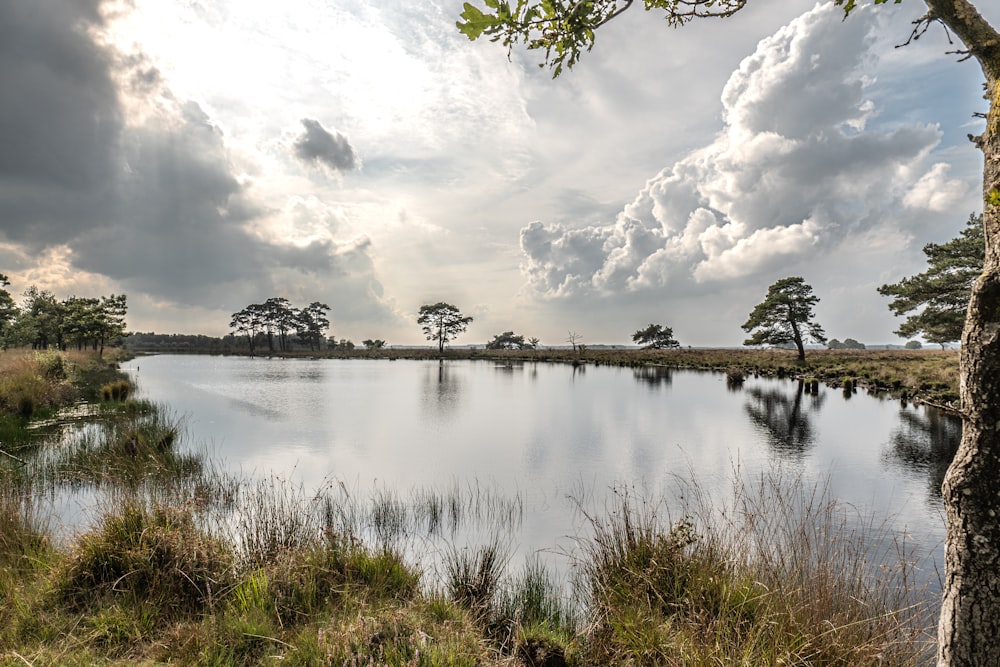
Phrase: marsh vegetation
x=184 y=560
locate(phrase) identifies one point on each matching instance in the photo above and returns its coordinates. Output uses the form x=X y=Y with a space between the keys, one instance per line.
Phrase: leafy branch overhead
x=565 y=30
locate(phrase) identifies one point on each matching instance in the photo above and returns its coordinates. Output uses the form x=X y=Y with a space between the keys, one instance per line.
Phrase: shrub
x=51 y=365
x=25 y=406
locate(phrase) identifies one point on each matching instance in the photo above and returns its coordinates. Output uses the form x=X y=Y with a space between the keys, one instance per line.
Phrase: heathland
x=186 y=564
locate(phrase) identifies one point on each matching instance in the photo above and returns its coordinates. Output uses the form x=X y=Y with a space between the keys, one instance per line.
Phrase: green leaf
x=476 y=23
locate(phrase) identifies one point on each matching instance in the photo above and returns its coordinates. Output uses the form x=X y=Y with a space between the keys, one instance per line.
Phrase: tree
x=848 y=344
x=913 y=345
x=279 y=316
x=249 y=322
x=785 y=316
x=507 y=340
x=311 y=323
x=940 y=294
x=970 y=611
x=42 y=317
x=110 y=320
x=376 y=344
x=442 y=322
x=655 y=337
x=8 y=309
x=573 y=338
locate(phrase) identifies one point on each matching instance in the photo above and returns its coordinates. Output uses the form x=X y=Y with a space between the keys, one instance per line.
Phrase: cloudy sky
x=201 y=155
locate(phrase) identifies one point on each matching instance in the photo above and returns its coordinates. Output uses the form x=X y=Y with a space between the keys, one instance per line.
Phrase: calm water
x=552 y=433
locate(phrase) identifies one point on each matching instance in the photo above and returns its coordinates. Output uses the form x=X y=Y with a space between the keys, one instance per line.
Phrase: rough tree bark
x=969 y=627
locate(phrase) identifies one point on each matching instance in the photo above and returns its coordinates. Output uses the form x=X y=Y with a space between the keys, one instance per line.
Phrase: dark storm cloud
x=154 y=205
x=60 y=120
x=332 y=149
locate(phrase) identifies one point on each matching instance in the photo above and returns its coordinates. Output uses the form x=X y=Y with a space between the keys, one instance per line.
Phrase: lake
x=557 y=436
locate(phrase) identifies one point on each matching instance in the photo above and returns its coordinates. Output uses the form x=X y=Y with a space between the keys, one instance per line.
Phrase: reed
x=781 y=575
x=197 y=565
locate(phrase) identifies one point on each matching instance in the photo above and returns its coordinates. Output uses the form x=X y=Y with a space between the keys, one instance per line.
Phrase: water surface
x=554 y=434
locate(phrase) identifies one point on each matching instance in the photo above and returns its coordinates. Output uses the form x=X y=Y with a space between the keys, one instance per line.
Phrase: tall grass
x=777 y=574
x=23 y=526
x=31 y=381
x=187 y=563
x=782 y=574
x=130 y=443
x=147 y=556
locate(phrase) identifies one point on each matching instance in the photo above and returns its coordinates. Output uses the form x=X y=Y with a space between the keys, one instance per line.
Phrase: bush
x=51 y=365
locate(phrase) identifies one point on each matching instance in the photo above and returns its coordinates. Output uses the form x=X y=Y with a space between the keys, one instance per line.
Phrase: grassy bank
x=183 y=563
x=159 y=580
x=929 y=376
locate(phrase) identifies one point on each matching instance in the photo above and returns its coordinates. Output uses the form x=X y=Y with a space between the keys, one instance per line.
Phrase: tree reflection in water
x=654 y=376
x=783 y=416
x=925 y=441
x=442 y=387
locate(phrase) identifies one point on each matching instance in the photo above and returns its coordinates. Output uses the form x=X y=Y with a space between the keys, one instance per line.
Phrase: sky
x=203 y=155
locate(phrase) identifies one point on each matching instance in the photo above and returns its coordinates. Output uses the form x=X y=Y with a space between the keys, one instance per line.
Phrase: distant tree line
x=43 y=322
x=933 y=302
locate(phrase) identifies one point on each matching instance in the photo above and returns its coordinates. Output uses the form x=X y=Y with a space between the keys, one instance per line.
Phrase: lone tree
x=970 y=611
x=655 y=337
x=785 y=316
x=442 y=322
x=940 y=295
x=573 y=338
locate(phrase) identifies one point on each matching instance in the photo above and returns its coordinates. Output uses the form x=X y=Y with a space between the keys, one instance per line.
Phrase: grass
x=922 y=375
x=780 y=574
x=190 y=565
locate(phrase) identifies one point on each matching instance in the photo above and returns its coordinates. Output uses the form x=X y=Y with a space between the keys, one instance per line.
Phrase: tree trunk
x=797 y=338
x=969 y=627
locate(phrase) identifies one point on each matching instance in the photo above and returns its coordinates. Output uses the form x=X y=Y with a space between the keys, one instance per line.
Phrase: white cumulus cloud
x=800 y=166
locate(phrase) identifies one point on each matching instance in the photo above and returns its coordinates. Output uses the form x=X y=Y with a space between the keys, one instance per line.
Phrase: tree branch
x=981 y=39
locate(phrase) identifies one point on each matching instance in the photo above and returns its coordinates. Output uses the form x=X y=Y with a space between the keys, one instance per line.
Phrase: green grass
x=779 y=574
x=922 y=375
x=782 y=575
x=192 y=565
